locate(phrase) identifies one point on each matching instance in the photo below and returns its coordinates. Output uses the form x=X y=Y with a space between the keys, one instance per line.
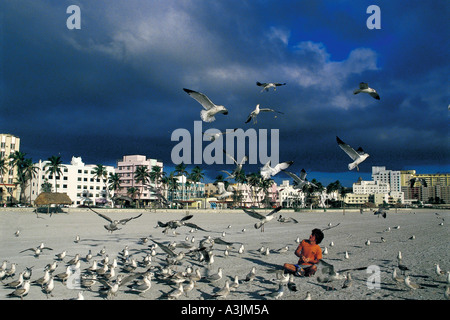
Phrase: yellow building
x=8 y=145
x=437 y=185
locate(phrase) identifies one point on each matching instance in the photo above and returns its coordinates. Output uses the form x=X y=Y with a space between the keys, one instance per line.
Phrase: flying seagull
x=268 y=85
x=381 y=212
x=357 y=156
x=267 y=171
x=224 y=193
x=173 y=224
x=256 y=111
x=421 y=180
x=213 y=136
x=301 y=181
x=263 y=219
x=238 y=168
x=364 y=87
x=211 y=109
x=112 y=226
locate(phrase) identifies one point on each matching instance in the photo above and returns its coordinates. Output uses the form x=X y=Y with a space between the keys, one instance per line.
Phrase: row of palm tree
x=155 y=176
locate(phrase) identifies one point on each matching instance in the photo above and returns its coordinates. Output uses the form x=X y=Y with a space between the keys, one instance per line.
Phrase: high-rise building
x=8 y=190
x=126 y=169
x=436 y=186
x=390 y=177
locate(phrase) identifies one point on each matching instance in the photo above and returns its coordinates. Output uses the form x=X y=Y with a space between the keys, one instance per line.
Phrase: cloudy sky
x=114 y=87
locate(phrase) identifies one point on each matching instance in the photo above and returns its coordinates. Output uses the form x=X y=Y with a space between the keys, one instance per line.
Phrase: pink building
x=126 y=169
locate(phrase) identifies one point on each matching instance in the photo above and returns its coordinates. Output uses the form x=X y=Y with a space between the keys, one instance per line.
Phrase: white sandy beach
x=430 y=246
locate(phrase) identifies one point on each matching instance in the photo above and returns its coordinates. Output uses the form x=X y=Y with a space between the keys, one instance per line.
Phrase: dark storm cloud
x=115 y=86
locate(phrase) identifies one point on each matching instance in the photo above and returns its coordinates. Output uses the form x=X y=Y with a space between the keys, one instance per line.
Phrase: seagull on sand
x=410 y=284
x=215 y=135
x=64 y=275
x=210 y=109
x=257 y=111
x=300 y=182
x=22 y=291
x=223 y=293
x=61 y=256
x=396 y=277
x=112 y=226
x=357 y=156
x=48 y=287
x=251 y=275
x=438 y=270
x=235 y=284
x=176 y=293
x=268 y=85
x=37 y=251
x=216 y=276
x=364 y=87
x=16 y=283
x=44 y=279
x=348 y=281
x=276 y=294
x=267 y=171
x=263 y=219
x=143 y=287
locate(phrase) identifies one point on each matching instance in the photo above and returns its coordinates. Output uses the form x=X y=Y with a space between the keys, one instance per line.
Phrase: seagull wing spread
x=348 y=150
x=201 y=98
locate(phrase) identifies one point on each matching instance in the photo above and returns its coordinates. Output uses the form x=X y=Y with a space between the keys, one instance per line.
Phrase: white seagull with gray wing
x=257 y=111
x=267 y=171
x=299 y=182
x=364 y=87
x=357 y=156
x=268 y=85
x=210 y=109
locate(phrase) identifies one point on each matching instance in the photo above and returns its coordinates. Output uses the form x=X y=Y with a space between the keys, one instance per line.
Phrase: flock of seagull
x=184 y=265
x=210 y=110
x=189 y=265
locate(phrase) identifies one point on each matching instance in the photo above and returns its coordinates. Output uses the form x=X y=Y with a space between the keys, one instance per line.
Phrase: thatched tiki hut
x=49 y=198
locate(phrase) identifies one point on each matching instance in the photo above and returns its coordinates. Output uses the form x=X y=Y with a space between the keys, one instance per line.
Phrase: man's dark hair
x=318 y=234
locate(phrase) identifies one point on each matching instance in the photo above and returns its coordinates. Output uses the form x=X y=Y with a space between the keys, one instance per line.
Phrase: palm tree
x=132 y=191
x=196 y=176
x=25 y=170
x=254 y=181
x=141 y=176
x=265 y=185
x=333 y=187
x=172 y=182
x=30 y=171
x=3 y=169
x=114 y=182
x=100 y=172
x=156 y=175
x=180 y=169
x=53 y=167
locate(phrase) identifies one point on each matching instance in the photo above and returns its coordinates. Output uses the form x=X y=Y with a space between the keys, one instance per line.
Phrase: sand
x=430 y=246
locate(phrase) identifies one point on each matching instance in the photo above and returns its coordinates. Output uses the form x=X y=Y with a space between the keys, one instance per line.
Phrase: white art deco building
x=78 y=181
